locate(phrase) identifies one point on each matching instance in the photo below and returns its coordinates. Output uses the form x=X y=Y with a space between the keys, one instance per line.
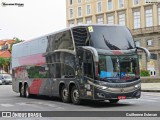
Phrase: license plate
x=121 y=97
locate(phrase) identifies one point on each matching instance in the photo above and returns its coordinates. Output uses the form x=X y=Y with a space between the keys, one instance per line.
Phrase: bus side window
x=88 y=65
x=13 y=73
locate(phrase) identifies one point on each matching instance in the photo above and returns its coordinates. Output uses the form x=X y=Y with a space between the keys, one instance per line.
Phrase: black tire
x=114 y=101
x=75 y=96
x=5 y=83
x=26 y=91
x=65 y=95
x=21 y=91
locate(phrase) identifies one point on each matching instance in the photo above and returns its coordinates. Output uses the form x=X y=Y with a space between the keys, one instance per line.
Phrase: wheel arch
x=20 y=85
x=61 y=84
x=71 y=84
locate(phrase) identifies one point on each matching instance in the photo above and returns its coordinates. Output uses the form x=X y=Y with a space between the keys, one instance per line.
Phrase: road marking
x=21 y=103
x=50 y=105
x=6 y=105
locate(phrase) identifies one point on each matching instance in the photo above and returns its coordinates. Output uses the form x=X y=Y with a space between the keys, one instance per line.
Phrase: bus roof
x=68 y=28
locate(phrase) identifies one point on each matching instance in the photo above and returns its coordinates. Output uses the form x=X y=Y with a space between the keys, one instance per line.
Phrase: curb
x=150 y=90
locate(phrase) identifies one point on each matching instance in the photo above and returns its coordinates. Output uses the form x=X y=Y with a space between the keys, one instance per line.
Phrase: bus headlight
x=103 y=87
x=137 y=86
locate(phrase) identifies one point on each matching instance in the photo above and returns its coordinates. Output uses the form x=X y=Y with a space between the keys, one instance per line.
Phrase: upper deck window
x=111 y=38
x=80 y=36
x=62 y=40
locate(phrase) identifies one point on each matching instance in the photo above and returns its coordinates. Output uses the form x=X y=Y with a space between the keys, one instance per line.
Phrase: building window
x=99 y=6
x=121 y=3
x=79 y=1
x=136 y=20
x=80 y=22
x=70 y=2
x=149 y=21
x=159 y=16
x=110 y=4
x=137 y=43
x=88 y=20
x=149 y=42
x=110 y=20
x=71 y=13
x=79 y=11
x=135 y=2
x=148 y=1
x=99 y=20
x=87 y=0
x=122 y=19
x=88 y=8
x=153 y=56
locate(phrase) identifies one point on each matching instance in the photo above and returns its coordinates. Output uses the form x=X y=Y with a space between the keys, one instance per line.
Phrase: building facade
x=142 y=17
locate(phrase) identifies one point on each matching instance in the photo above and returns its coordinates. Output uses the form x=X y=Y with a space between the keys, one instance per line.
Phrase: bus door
x=86 y=72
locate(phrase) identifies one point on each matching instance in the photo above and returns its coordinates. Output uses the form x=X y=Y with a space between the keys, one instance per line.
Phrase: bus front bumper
x=117 y=93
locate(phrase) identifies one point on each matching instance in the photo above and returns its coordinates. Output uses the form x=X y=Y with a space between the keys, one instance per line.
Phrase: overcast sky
x=34 y=19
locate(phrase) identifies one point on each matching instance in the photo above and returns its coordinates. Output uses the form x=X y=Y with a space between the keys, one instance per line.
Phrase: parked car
x=6 y=78
x=0 y=82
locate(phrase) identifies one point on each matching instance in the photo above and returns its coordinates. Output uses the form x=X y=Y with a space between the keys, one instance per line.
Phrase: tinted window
x=80 y=36
x=37 y=71
x=58 y=70
x=88 y=64
x=111 y=38
x=67 y=71
x=62 y=40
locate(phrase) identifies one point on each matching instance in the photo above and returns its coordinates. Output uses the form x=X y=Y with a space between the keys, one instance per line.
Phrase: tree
x=4 y=64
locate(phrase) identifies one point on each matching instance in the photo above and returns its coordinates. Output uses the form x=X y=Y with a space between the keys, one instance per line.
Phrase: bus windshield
x=118 y=68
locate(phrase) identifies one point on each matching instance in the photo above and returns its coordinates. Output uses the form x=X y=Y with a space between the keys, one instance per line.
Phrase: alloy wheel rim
x=65 y=93
x=27 y=93
x=22 y=91
x=75 y=95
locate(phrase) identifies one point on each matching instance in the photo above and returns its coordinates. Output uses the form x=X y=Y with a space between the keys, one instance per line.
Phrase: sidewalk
x=150 y=87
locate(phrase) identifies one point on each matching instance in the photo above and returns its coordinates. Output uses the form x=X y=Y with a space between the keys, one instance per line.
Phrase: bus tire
x=26 y=91
x=114 y=101
x=21 y=91
x=65 y=94
x=75 y=97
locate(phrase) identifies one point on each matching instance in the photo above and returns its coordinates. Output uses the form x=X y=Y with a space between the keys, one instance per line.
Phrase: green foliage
x=145 y=73
x=4 y=63
x=17 y=40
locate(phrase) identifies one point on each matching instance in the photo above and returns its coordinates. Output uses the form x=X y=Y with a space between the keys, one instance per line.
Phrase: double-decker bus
x=95 y=62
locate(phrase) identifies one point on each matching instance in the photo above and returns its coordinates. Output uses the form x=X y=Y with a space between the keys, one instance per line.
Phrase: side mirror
x=148 y=55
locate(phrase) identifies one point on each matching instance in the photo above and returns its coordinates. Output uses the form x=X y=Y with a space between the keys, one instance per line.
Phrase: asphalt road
x=10 y=101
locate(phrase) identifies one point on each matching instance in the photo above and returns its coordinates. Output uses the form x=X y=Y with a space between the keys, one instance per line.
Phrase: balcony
x=136 y=31
x=146 y=30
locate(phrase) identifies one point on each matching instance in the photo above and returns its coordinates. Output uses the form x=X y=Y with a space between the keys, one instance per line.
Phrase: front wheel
x=75 y=96
x=114 y=101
